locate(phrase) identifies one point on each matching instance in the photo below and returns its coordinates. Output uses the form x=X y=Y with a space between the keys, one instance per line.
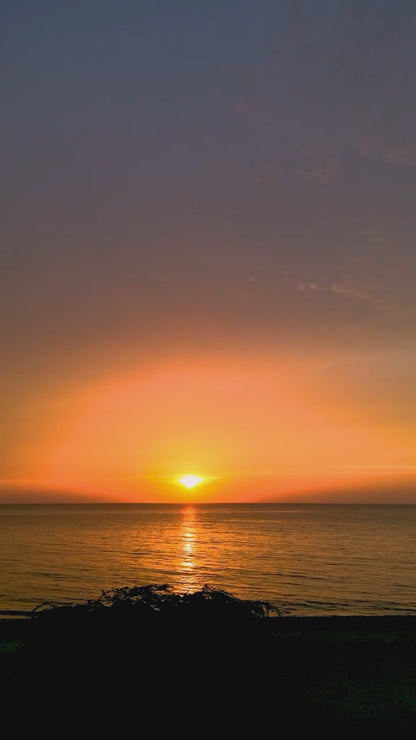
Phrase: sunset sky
x=208 y=259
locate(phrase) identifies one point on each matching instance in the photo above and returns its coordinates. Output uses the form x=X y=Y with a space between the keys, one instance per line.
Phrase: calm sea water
x=310 y=559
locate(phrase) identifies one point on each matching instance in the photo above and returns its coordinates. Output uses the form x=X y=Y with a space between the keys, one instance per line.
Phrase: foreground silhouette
x=155 y=622
x=161 y=600
x=211 y=661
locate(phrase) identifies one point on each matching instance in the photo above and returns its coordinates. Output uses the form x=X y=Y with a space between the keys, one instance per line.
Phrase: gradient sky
x=208 y=259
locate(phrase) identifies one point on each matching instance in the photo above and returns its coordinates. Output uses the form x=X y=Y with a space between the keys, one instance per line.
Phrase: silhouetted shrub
x=152 y=636
x=156 y=599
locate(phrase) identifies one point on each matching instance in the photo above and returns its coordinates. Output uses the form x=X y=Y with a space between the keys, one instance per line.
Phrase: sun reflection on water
x=189 y=541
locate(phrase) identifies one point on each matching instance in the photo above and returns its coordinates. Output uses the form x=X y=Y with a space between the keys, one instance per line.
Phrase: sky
x=207 y=252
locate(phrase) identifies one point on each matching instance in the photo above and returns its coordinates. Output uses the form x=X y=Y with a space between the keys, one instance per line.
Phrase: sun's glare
x=190 y=481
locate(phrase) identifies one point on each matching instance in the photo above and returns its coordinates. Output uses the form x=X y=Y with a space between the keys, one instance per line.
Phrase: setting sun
x=190 y=481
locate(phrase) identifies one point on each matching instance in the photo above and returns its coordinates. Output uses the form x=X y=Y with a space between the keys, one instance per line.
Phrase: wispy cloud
x=342 y=288
x=304 y=286
x=381 y=468
x=318 y=174
x=400 y=156
x=397 y=155
x=354 y=292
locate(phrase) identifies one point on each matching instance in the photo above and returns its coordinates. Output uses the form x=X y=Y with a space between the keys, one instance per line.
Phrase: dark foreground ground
x=225 y=674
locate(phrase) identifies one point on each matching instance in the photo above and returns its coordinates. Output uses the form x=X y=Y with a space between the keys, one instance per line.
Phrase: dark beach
x=227 y=667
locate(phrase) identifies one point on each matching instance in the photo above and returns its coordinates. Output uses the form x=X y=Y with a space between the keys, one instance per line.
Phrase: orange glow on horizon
x=263 y=430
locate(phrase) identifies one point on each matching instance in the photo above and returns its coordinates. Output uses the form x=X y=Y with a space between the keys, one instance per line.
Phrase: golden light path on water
x=188 y=538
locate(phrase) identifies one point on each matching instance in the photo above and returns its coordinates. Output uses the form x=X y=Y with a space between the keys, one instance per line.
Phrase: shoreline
x=7 y=614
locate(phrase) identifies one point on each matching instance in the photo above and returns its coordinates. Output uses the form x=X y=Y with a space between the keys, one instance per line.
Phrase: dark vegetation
x=148 y=658
x=160 y=601
x=157 y=625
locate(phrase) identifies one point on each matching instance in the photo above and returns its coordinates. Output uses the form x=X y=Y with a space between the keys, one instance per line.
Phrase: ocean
x=309 y=559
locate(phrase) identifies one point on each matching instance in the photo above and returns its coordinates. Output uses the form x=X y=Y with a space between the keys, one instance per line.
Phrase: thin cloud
x=351 y=291
x=400 y=156
x=320 y=175
x=342 y=288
